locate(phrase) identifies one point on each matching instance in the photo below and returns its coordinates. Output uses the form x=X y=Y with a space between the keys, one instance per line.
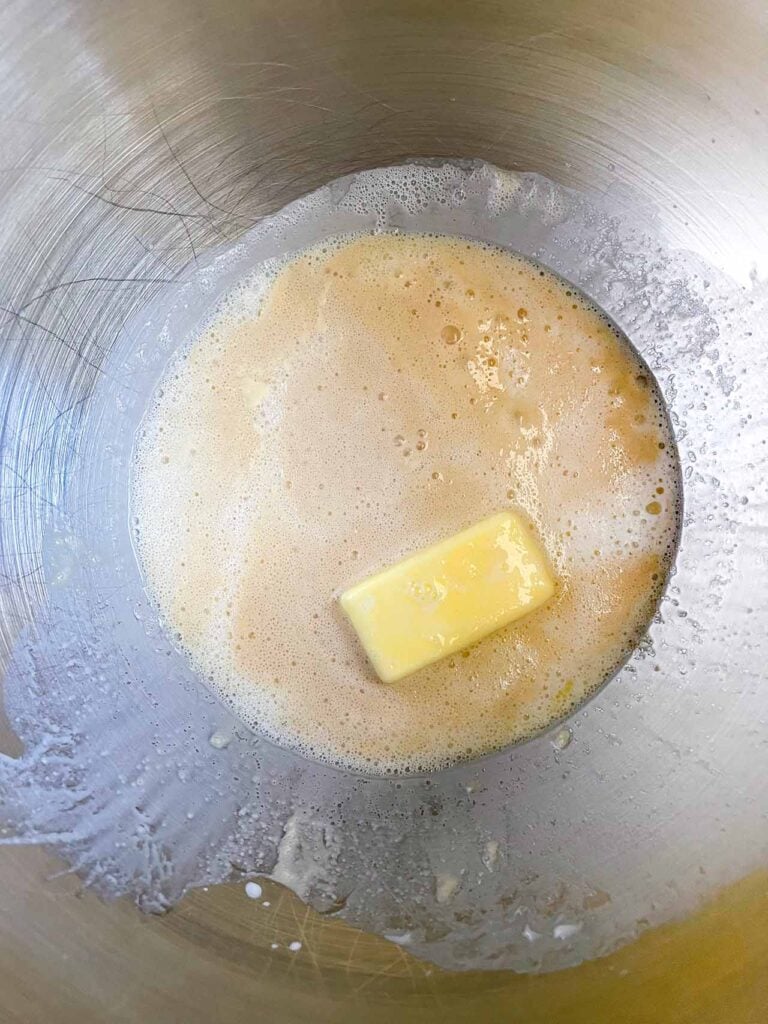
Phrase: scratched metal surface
x=138 y=136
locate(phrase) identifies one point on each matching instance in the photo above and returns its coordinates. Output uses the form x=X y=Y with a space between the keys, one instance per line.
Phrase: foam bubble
x=372 y=396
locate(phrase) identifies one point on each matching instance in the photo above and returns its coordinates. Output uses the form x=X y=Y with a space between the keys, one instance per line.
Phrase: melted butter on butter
x=455 y=593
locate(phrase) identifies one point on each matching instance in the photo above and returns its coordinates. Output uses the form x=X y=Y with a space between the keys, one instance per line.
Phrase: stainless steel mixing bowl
x=137 y=135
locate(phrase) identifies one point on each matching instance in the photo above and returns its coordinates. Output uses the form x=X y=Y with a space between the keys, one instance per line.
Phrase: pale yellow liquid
x=389 y=391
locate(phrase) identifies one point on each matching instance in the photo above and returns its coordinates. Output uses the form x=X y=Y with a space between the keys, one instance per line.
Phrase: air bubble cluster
x=372 y=396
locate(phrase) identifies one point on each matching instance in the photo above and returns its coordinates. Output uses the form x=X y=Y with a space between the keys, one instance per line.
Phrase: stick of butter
x=448 y=596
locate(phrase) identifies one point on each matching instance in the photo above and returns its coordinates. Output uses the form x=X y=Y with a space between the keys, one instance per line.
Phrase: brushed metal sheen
x=136 y=135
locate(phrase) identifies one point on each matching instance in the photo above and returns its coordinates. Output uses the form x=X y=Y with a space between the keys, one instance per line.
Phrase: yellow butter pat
x=448 y=596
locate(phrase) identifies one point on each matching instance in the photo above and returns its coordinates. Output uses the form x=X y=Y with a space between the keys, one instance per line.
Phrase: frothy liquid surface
x=387 y=392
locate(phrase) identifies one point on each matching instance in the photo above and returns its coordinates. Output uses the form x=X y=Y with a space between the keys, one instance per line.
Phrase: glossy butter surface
x=449 y=596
